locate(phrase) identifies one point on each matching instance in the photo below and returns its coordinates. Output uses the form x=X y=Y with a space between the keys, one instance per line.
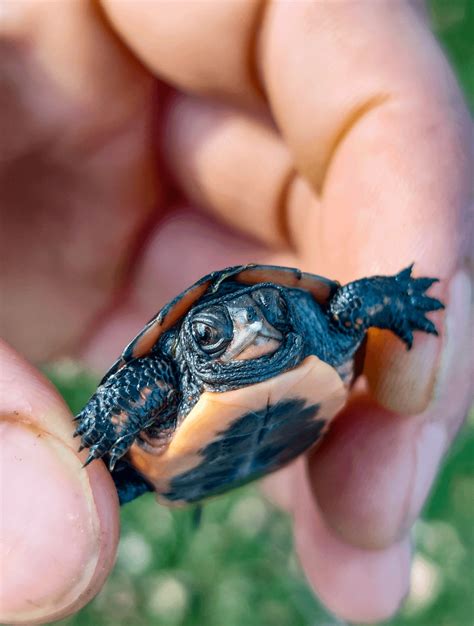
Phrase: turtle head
x=241 y=328
x=242 y=334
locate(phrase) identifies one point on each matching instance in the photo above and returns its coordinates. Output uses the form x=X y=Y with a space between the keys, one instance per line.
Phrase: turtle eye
x=205 y=334
x=212 y=331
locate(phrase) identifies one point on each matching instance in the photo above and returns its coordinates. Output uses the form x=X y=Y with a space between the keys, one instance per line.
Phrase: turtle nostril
x=252 y=315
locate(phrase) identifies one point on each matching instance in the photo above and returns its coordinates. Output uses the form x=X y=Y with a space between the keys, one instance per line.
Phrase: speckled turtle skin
x=239 y=375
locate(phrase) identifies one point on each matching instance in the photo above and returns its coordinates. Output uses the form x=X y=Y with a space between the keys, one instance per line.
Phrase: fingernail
x=406 y=382
x=50 y=527
x=452 y=393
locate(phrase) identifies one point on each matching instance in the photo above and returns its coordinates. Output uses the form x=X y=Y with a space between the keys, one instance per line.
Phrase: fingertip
x=356 y=584
x=373 y=472
x=59 y=527
x=107 y=505
x=411 y=382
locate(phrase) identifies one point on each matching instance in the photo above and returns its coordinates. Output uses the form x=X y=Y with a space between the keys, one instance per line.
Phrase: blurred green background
x=238 y=568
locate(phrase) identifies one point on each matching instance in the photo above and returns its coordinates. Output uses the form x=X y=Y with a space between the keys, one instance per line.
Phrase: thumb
x=59 y=525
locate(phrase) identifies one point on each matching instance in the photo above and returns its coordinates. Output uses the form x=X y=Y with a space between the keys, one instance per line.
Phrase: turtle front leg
x=397 y=303
x=141 y=394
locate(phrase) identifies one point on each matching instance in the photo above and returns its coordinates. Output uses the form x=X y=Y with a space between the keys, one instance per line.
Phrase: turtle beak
x=267 y=331
x=252 y=340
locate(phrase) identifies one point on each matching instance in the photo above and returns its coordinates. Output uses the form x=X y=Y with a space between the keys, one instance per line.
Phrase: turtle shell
x=321 y=289
x=233 y=437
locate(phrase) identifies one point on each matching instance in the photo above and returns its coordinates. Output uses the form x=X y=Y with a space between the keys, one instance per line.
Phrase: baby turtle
x=238 y=375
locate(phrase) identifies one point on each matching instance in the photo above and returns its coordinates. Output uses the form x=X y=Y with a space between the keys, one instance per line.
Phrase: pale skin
x=366 y=167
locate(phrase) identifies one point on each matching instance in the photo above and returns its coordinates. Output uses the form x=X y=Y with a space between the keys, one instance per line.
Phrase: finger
x=75 y=170
x=389 y=205
x=386 y=203
x=356 y=584
x=230 y=163
x=203 y=47
x=237 y=167
x=59 y=524
x=179 y=250
x=366 y=79
x=437 y=240
x=66 y=57
x=385 y=139
x=374 y=469
x=373 y=472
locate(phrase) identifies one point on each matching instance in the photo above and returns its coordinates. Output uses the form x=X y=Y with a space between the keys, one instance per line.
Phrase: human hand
x=366 y=169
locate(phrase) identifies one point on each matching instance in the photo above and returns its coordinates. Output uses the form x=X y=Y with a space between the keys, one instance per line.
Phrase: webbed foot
x=410 y=306
x=132 y=399
x=105 y=428
x=398 y=303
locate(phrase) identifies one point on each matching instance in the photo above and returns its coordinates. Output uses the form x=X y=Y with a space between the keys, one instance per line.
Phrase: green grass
x=238 y=568
x=453 y=21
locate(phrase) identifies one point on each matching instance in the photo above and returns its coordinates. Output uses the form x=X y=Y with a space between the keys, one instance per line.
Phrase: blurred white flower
x=249 y=515
x=134 y=553
x=168 y=598
x=426 y=583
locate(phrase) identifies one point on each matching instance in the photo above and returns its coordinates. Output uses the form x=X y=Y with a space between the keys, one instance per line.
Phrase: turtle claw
x=84 y=427
x=92 y=436
x=406 y=335
x=113 y=460
x=414 y=304
x=423 y=323
x=91 y=457
x=423 y=284
x=97 y=451
x=426 y=303
x=102 y=437
x=89 y=460
x=119 y=410
x=405 y=274
x=119 y=448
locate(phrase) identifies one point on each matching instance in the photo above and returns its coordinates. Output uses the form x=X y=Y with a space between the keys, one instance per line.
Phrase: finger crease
x=351 y=121
x=282 y=223
x=253 y=44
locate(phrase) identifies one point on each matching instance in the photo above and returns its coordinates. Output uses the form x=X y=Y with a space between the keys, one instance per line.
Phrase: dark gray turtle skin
x=239 y=375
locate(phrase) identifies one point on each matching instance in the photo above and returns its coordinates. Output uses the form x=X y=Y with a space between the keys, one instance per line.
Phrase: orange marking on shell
x=319 y=287
x=213 y=414
x=148 y=339
x=156 y=328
